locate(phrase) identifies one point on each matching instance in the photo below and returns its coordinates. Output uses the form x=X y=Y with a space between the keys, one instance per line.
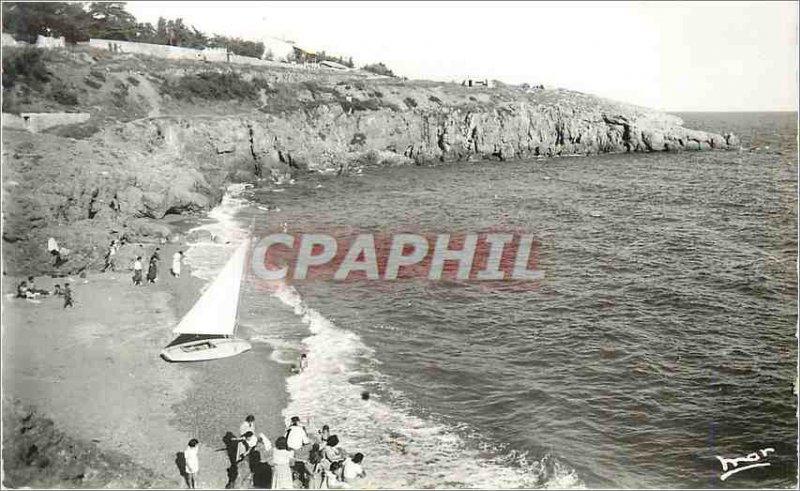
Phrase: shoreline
x=95 y=371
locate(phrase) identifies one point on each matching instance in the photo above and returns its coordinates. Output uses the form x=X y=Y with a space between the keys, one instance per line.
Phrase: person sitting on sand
x=152 y=270
x=333 y=477
x=333 y=452
x=192 y=462
x=248 y=425
x=176 y=264
x=32 y=290
x=57 y=292
x=22 y=289
x=137 y=271
x=156 y=255
x=352 y=469
x=296 y=435
x=67 y=296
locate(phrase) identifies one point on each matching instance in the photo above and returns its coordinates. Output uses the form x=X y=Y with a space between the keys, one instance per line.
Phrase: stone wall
x=36 y=122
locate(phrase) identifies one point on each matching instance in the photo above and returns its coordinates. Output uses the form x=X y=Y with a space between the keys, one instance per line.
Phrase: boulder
x=653 y=140
x=147 y=230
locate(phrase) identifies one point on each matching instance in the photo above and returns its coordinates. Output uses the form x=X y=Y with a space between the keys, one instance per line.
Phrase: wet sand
x=95 y=371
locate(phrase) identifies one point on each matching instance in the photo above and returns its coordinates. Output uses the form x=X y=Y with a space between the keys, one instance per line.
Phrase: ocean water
x=661 y=336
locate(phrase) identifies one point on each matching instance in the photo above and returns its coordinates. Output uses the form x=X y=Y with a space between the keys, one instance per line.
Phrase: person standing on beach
x=111 y=257
x=192 y=462
x=303 y=362
x=176 y=264
x=282 y=461
x=296 y=436
x=152 y=270
x=246 y=445
x=137 y=271
x=67 y=296
x=248 y=425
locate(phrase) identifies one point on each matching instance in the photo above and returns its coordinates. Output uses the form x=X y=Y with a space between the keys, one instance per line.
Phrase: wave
x=401 y=449
x=206 y=258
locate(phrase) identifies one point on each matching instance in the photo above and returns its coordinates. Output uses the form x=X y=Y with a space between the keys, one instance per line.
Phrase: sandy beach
x=95 y=370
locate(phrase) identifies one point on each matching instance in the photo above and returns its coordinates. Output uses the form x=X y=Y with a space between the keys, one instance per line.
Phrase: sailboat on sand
x=207 y=331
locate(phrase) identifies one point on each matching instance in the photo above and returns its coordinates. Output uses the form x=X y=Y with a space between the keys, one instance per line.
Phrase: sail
x=215 y=312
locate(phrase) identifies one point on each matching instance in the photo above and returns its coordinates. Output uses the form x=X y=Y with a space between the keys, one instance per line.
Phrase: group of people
x=152 y=267
x=28 y=290
x=294 y=458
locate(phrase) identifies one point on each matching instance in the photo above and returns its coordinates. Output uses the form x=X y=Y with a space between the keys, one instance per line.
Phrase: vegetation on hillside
x=109 y=20
x=26 y=65
x=214 y=86
x=379 y=69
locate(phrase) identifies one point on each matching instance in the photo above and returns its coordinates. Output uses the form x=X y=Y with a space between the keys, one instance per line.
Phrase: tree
x=111 y=21
x=238 y=46
x=28 y=20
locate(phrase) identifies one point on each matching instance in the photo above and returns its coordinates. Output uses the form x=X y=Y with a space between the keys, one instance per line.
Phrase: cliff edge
x=164 y=138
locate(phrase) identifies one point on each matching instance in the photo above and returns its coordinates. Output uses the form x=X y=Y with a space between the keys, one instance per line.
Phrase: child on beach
x=303 y=362
x=67 y=296
x=333 y=477
x=192 y=462
x=324 y=433
x=137 y=271
x=176 y=264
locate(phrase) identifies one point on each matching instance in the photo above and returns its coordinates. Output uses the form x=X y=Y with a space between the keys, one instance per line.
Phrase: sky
x=673 y=56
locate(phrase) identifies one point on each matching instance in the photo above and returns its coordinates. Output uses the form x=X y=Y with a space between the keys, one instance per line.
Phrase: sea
x=661 y=336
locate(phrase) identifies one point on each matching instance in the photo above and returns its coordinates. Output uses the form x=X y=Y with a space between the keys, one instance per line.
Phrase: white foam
x=207 y=258
x=402 y=450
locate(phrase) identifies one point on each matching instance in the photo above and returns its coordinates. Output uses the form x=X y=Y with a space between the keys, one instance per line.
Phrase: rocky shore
x=122 y=175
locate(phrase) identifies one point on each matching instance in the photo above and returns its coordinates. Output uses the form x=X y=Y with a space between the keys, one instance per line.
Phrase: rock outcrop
x=128 y=175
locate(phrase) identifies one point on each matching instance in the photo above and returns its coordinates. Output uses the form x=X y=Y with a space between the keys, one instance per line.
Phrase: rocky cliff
x=149 y=153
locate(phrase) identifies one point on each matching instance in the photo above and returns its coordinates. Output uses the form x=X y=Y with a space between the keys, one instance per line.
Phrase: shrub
x=24 y=65
x=98 y=75
x=62 y=94
x=359 y=105
x=212 y=86
x=410 y=102
x=435 y=99
x=379 y=69
x=133 y=81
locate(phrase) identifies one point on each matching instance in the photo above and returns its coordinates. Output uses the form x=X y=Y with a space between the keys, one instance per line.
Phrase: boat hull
x=205 y=349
